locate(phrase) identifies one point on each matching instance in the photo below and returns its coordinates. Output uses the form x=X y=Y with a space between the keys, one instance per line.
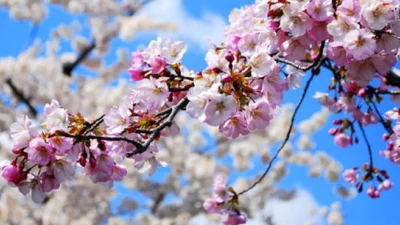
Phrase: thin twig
x=317 y=62
x=286 y=138
x=368 y=145
x=381 y=119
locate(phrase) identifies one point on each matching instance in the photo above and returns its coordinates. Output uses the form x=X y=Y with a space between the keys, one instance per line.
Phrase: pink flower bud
x=342 y=140
x=233 y=219
x=82 y=160
x=385 y=137
x=362 y=92
x=229 y=57
x=136 y=74
x=350 y=176
x=226 y=77
x=13 y=174
x=333 y=131
x=337 y=122
x=385 y=185
x=390 y=147
x=158 y=65
x=372 y=192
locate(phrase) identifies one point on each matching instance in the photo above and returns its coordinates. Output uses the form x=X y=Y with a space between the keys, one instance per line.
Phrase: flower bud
x=362 y=92
x=229 y=57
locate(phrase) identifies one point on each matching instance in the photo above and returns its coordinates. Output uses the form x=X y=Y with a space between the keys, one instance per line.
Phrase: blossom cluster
x=224 y=201
x=352 y=177
x=392 y=151
x=44 y=159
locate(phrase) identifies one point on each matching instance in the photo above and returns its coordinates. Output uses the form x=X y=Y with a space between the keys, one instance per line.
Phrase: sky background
x=199 y=22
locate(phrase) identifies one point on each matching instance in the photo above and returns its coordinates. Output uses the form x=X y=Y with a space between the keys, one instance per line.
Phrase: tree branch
x=69 y=67
x=156 y=131
x=21 y=97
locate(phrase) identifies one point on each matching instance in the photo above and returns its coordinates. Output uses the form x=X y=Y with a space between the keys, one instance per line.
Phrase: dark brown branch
x=286 y=138
x=104 y=138
x=393 y=78
x=156 y=131
x=21 y=97
x=374 y=90
x=316 y=63
x=69 y=67
x=157 y=202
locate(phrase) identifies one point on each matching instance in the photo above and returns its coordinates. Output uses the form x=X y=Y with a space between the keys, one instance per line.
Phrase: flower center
x=220 y=106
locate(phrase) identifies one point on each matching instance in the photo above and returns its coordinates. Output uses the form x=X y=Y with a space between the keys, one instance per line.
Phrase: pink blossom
x=48 y=181
x=378 y=14
x=39 y=152
x=361 y=72
x=259 y=114
x=136 y=74
x=220 y=189
x=346 y=102
x=117 y=119
x=324 y=99
x=137 y=60
x=342 y=140
x=219 y=108
x=295 y=21
x=149 y=165
x=211 y=205
x=360 y=44
x=339 y=27
x=351 y=176
x=248 y=44
x=337 y=53
x=62 y=170
x=56 y=118
x=319 y=31
x=62 y=144
x=320 y=10
x=369 y=118
x=387 y=43
x=373 y=192
x=13 y=174
x=296 y=48
x=216 y=59
x=104 y=163
x=261 y=64
x=118 y=172
x=234 y=126
x=173 y=51
x=350 y=9
x=157 y=65
x=153 y=93
x=35 y=187
x=393 y=154
x=233 y=218
x=22 y=131
x=384 y=62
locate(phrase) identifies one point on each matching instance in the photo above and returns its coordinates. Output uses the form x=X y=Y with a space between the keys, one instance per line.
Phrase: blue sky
x=210 y=15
